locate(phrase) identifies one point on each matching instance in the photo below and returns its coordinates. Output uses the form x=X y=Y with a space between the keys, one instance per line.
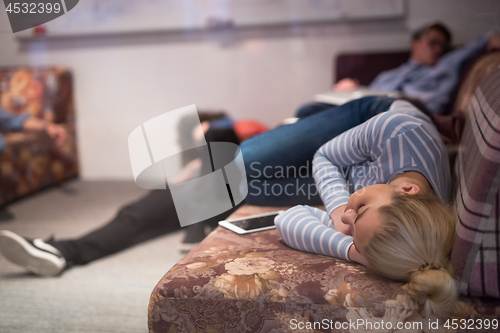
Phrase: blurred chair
x=31 y=161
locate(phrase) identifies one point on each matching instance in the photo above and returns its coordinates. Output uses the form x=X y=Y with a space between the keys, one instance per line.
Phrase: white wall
x=265 y=73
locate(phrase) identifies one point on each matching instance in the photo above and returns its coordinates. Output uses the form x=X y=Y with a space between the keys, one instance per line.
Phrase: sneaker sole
x=20 y=252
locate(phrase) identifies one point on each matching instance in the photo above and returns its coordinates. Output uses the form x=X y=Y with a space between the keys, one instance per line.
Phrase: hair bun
x=434 y=288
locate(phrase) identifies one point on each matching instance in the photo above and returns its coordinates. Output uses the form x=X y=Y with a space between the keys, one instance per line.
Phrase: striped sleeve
x=310 y=229
x=331 y=162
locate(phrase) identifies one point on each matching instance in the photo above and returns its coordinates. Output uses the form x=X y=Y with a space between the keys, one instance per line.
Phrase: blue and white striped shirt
x=399 y=140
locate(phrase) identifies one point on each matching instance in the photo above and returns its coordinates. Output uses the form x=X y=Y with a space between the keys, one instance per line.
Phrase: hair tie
x=423 y=267
x=432 y=266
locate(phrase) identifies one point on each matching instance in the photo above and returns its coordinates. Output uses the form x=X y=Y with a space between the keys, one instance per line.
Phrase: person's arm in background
x=24 y=122
x=494 y=43
x=346 y=84
x=392 y=79
x=56 y=132
x=453 y=60
x=435 y=91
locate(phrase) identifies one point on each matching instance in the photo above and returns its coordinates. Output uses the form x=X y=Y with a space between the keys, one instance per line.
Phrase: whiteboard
x=129 y=16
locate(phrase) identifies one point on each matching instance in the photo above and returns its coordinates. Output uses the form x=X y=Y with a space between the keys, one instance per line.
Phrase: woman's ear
x=408 y=188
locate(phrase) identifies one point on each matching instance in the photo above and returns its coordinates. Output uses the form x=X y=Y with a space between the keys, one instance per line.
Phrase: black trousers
x=151 y=216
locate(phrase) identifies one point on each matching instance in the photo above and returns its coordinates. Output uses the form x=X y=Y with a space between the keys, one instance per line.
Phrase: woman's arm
x=332 y=161
x=310 y=229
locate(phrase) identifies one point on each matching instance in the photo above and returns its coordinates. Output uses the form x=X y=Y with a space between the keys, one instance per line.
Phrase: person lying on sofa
x=430 y=75
x=151 y=216
x=395 y=222
x=147 y=217
x=26 y=122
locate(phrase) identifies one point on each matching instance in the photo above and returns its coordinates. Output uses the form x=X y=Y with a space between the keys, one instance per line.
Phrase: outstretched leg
x=281 y=158
x=151 y=216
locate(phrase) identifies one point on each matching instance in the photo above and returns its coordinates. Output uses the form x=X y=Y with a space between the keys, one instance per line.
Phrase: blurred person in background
x=151 y=216
x=26 y=122
x=430 y=75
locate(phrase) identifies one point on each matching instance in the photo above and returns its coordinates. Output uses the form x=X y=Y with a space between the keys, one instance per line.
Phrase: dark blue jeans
x=311 y=108
x=278 y=163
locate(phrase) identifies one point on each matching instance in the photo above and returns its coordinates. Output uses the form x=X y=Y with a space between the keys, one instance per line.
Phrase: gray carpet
x=109 y=295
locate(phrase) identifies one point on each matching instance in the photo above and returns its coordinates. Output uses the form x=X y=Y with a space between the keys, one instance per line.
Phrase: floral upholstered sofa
x=30 y=161
x=255 y=283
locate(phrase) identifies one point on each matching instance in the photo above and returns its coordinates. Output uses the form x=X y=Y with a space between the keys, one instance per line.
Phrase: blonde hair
x=413 y=245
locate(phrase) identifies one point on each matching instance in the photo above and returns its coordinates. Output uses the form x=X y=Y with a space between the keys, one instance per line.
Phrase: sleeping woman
x=395 y=221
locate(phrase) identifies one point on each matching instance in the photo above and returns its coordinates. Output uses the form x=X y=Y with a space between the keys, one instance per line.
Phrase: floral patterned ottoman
x=255 y=283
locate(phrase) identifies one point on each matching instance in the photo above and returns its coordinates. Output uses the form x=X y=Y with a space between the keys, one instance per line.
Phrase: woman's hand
x=335 y=216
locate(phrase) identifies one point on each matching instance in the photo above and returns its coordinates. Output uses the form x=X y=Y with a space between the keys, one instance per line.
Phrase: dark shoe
x=194 y=234
x=5 y=215
x=34 y=254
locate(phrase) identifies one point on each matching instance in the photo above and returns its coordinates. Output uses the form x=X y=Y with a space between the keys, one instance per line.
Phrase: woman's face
x=362 y=213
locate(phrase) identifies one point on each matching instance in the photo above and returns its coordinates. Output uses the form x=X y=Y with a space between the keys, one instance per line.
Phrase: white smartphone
x=249 y=224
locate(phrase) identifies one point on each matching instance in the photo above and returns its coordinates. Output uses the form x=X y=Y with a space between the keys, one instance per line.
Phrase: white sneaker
x=35 y=255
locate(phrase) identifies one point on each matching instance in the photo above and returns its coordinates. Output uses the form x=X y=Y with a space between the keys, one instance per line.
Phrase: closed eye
x=361 y=214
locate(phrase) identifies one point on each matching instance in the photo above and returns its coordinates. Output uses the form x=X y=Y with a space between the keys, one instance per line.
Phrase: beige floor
x=109 y=295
